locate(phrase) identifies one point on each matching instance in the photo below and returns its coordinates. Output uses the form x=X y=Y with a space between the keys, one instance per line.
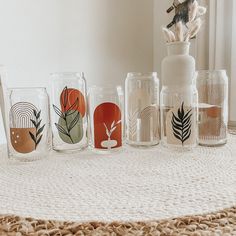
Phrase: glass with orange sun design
x=106 y=117
x=69 y=115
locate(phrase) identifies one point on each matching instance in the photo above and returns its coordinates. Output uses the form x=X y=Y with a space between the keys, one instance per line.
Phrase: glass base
x=106 y=151
x=212 y=143
x=69 y=150
x=142 y=144
x=26 y=157
x=232 y=130
x=178 y=148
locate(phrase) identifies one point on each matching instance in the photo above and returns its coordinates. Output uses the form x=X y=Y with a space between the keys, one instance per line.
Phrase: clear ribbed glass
x=142 y=109
x=69 y=112
x=213 y=107
x=28 y=120
x=106 y=118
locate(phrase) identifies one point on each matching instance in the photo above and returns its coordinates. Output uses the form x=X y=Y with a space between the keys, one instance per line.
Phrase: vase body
x=142 y=109
x=69 y=112
x=179 y=98
x=213 y=107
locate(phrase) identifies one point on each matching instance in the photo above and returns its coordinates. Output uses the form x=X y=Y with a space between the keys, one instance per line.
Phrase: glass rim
x=142 y=75
x=67 y=73
x=106 y=89
x=210 y=71
x=105 y=86
x=178 y=43
x=27 y=88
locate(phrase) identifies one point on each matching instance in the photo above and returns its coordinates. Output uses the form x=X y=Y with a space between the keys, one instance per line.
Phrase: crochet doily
x=131 y=185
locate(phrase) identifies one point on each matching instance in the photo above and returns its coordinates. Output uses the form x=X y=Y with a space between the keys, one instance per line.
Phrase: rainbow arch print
x=26 y=130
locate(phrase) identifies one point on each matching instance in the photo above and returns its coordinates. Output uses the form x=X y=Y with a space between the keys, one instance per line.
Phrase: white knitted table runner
x=133 y=185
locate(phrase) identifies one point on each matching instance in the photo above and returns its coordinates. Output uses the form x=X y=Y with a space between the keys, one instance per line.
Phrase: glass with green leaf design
x=69 y=112
x=29 y=134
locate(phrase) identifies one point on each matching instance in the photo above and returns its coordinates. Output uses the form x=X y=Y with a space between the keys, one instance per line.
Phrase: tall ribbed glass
x=213 y=107
x=142 y=109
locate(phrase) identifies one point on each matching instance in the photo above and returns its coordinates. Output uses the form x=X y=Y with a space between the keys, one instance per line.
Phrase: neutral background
x=104 y=38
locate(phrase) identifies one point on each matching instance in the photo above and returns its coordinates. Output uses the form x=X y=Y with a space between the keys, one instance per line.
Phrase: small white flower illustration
x=110 y=143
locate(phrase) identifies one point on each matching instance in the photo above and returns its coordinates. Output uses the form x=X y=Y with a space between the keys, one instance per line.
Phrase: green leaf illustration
x=33 y=137
x=61 y=129
x=73 y=108
x=37 y=122
x=70 y=124
x=40 y=130
x=38 y=115
x=39 y=140
x=65 y=98
x=58 y=111
x=74 y=122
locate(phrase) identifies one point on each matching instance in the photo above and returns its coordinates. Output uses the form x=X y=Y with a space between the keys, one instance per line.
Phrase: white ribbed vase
x=179 y=98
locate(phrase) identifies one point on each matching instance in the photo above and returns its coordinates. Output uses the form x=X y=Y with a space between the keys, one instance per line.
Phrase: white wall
x=233 y=69
x=221 y=50
x=104 y=38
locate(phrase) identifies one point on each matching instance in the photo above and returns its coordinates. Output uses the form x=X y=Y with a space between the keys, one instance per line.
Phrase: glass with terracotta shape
x=106 y=117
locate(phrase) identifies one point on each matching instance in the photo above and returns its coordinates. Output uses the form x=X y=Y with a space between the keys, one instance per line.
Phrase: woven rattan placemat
x=130 y=186
x=215 y=224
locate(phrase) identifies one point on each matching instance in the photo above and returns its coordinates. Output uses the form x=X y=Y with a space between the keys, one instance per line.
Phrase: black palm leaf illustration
x=181 y=124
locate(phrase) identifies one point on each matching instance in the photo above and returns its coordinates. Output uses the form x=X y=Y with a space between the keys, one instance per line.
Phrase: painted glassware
x=106 y=117
x=179 y=98
x=142 y=109
x=69 y=113
x=213 y=107
x=29 y=124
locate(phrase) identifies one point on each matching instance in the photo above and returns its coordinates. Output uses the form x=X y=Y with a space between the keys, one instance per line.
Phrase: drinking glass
x=28 y=121
x=106 y=117
x=213 y=107
x=142 y=109
x=179 y=117
x=69 y=112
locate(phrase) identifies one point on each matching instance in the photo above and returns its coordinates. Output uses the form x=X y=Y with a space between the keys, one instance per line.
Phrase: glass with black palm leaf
x=179 y=117
x=69 y=114
x=28 y=134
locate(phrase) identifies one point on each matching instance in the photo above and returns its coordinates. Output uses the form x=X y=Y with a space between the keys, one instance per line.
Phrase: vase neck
x=178 y=48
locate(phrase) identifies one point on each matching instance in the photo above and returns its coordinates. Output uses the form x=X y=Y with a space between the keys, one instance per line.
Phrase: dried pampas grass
x=169 y=35
x=201 y=11
x=193 y=11
x=193 y=29
x=184 y=32
x=179 y=31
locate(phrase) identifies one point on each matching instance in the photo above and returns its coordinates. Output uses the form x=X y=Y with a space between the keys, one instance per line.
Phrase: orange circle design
x=73 y=94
